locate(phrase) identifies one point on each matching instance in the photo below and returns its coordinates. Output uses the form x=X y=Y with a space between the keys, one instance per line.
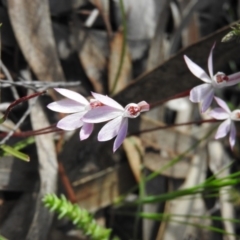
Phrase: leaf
x=2 y=120
x=124 y=76
x=15 y=153
x=1 y=237
x=93 y=61
x=24 y=143
x=47 y=159
x=157 y=51
x=134 y=152
x=32 y=28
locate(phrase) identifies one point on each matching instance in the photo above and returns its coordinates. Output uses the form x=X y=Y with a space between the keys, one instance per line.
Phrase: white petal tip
x=100 y=139
x=115 y=149
x=83 y=137
x=203 y=110
x=192 y=99
x=232 y=147
x=49 y=106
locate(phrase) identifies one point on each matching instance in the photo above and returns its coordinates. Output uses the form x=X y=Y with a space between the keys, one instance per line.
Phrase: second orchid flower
x=227 y=126
x=204 y=93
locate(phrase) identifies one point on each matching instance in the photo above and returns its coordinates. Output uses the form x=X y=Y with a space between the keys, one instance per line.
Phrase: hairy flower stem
x=53 y=128
x=18 y=101
x=173 y=125
x=179 y=95
x=41 y=131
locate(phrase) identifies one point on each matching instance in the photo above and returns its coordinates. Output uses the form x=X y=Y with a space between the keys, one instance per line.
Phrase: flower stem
x=179 y=95
x=173 y=125
x=50 y=129
x=18 y=101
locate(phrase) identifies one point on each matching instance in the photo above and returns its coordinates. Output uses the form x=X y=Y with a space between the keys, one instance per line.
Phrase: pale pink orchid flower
x=118 y=115
x=77 y=105
x=204 y=93
x=224 y=113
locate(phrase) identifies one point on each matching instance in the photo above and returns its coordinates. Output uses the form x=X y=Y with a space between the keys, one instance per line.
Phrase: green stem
x=167 y=217
x=214 y=185
x=210 y=228
x=173 y=125
x=170 y=218
x=141 y=194
x=162 y=216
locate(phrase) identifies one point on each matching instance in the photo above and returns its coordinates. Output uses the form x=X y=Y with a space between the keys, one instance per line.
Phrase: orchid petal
x=198 y=93
x=110 y=130
x=219 y=113
x=101 y=114
x=66 y=106
x=232 y=83
x=107 y=101
x=232 y=135
x=234 y=76
x=71 y=122
x=222 y=104
x=122 y=133
x=233 y=79
x=210 y=62
x=207 y=100
x=72 y=95
x=223 y=129
x=86 y=131
x=196 y=70
x=144 y=106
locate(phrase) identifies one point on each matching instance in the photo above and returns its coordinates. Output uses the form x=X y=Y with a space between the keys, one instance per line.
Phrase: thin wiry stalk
x=50 y=129
x=213 y=186
x=209 y=228
x=142 y=194
x=170 y=218
x=160 y=217
x=9 y=79
x=173 y=125
x=3 y=141
x=6 y=138
x=18 y=101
